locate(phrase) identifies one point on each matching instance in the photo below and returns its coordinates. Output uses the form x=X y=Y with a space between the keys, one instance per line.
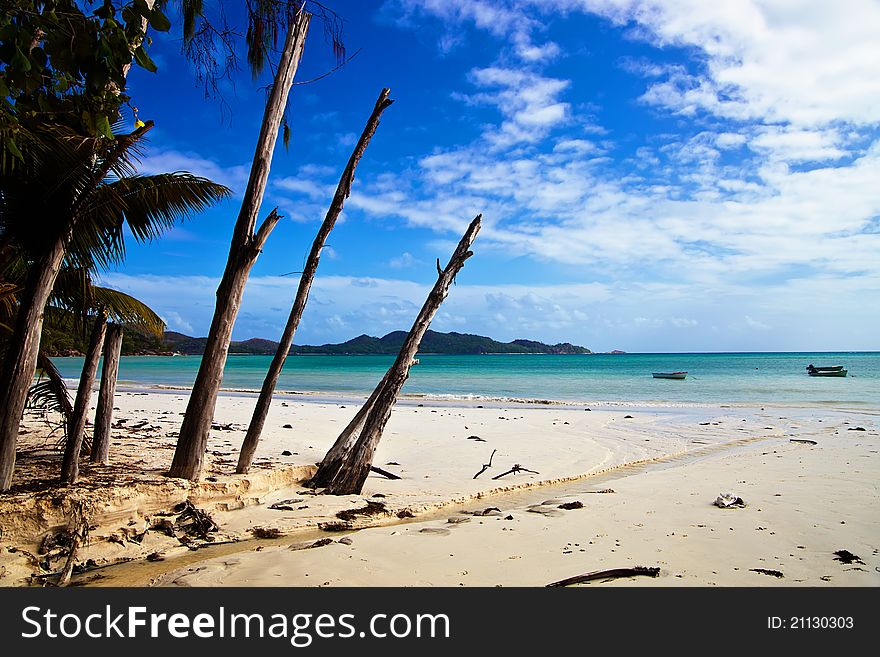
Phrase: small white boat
x=669 y=375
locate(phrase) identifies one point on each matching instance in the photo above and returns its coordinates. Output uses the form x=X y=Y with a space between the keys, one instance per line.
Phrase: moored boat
x=833 y=370
x=669 y=375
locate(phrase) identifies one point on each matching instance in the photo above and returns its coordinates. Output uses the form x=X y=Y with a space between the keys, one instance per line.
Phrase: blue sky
x=670 y=175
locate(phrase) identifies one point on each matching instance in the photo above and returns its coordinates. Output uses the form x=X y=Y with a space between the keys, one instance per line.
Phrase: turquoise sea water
x=737 y=378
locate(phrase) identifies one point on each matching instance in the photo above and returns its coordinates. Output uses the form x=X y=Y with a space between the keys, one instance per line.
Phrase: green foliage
x=61 y=64
x=61 y=342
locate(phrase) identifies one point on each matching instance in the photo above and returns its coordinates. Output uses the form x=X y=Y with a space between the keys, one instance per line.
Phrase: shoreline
x=496 y=401
x=428 y=442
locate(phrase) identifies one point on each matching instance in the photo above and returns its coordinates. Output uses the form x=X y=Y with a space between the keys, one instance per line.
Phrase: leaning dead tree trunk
x=347 y=475
x=246 y=246
x=342 y=448
x=70 y=465
x=343 y=191
x=104 y=412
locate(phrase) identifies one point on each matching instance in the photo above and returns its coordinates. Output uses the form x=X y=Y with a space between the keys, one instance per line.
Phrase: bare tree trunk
x=350 y=476
x=104 y=412
x=70 y=465
x=343 y=190
x=21 y=356
x=340 y=453
x=134 y=45
x=246 y=246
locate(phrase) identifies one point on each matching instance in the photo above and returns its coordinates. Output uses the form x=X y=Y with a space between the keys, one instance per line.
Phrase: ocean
x=713 y=379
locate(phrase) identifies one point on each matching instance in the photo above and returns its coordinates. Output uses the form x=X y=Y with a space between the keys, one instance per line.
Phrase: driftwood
x=847 y=557
x=729 y=501
x=266 y=532
x=802 y=440
x=346 y=466
x=73 y=447
x=371 y=509
x=516 y=468
x=244 y=249
x=343 y=190
x=194 y=522
x=79 y=532
x=104 y=412
x=488 y=465
x=384 y=473
x=607 y=574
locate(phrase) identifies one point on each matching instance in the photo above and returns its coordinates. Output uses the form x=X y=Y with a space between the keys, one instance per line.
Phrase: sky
x=653 y=175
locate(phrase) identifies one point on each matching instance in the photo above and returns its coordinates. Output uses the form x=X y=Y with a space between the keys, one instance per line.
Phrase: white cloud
x=532 y=53
x=164 y=161
x=580 y=146
x=175 y=322
x=305 y=186
x=402 y=261
x=795 y=145
x=755 y=324
x=683 y=203
x=528 y=102
x=629 y=315
x=806 y=63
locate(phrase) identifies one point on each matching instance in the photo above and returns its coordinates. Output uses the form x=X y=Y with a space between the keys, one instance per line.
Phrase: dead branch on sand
x=607 y=574
x=486 y=466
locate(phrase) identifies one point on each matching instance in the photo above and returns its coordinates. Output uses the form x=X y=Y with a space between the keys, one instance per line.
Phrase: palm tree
x=73 y=306
x=67 y=204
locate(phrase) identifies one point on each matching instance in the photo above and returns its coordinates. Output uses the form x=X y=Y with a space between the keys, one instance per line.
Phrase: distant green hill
x=432 y=343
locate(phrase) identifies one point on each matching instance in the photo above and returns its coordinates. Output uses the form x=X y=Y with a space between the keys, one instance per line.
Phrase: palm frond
x=75 y=299
x=49 y=393
x=124 y=309
x=151 y=205
x=8 y=301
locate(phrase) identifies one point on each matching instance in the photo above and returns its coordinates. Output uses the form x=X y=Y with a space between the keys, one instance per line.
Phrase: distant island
x=433 y=343
x=136 y=343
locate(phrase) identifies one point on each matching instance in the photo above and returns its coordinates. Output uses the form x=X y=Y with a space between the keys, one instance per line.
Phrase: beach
x=639 y=480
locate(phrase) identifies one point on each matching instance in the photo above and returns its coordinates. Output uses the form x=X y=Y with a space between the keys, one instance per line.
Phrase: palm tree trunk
x=351 y=474
x=70 y=465
x=104 y=412
x=21 y=357
x=343 y=190
x=245 y=248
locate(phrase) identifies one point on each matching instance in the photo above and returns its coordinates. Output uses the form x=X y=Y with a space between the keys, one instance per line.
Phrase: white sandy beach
x=665 y=466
